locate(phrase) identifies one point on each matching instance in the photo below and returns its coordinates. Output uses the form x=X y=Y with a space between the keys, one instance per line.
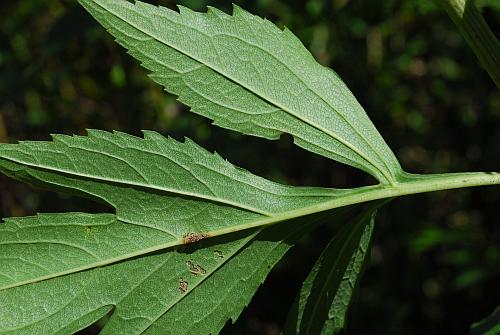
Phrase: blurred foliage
x=488 y=326
x=436 y=258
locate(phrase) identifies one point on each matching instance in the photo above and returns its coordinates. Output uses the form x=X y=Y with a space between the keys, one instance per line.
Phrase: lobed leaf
x=61 y=272
x=248 y=75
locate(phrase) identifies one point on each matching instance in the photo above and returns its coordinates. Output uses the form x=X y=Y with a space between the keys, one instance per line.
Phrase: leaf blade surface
x=166 y=194
x=323 y=301
x=248 y=75
x=147 y=294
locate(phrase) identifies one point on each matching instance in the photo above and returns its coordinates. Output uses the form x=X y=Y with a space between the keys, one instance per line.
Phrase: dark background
x=435 y=262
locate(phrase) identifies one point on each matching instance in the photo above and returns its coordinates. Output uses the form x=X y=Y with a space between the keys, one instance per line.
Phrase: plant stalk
x=409 y=184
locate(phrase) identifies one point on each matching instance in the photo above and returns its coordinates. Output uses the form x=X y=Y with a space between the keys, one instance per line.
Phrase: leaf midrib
x=389 y=179
x=248 y=240
x=361 y=135
x=142 y=185
x=359 y=195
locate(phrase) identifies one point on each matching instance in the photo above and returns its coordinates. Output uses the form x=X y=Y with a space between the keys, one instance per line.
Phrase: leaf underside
x=248 y=75
x=183 y=194
x=61 y=272
x=183 y=291
x=322 y=303
x=191 y=289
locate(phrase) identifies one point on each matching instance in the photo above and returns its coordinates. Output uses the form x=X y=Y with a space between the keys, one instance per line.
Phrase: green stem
x=476 y=32
x=409 y=184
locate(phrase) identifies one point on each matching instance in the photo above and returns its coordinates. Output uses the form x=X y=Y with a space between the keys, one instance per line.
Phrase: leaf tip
x=54 y=137
x=215 y=12
x=93 y=132
x=150 y=135
x=186 y=11
x=238 y=11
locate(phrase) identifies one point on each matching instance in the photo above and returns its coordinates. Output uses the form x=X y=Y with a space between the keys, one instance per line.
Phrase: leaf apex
x=55 y=137
x=92 y=133
x=186 y=11
x=149 y=134
x=238 y=11
x=213 y=11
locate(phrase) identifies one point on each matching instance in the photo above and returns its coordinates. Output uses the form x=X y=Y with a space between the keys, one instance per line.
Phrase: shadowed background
x=435 y=262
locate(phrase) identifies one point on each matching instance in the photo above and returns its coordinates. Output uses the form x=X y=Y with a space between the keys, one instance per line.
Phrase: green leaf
x=182 y=194
x=248 y=75
x=71 y=269
x=488 y=326
x=322 y=303
x=164 y=193
x=191 y=289
x=61 y=272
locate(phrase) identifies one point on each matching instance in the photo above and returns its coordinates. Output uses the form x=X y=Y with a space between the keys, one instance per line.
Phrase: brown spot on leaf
x=195 y=269
x=194 y=237
x=183 y=285
x=218 y=254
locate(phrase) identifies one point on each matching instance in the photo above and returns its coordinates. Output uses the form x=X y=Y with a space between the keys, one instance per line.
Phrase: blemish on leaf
x=218 y=254
x=88 y=229
x=194 y=237
x=183 y=285
x=195 y=269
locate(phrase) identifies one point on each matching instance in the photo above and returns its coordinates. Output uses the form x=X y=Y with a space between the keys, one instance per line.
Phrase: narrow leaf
x=248 y=75
x=322 y=303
